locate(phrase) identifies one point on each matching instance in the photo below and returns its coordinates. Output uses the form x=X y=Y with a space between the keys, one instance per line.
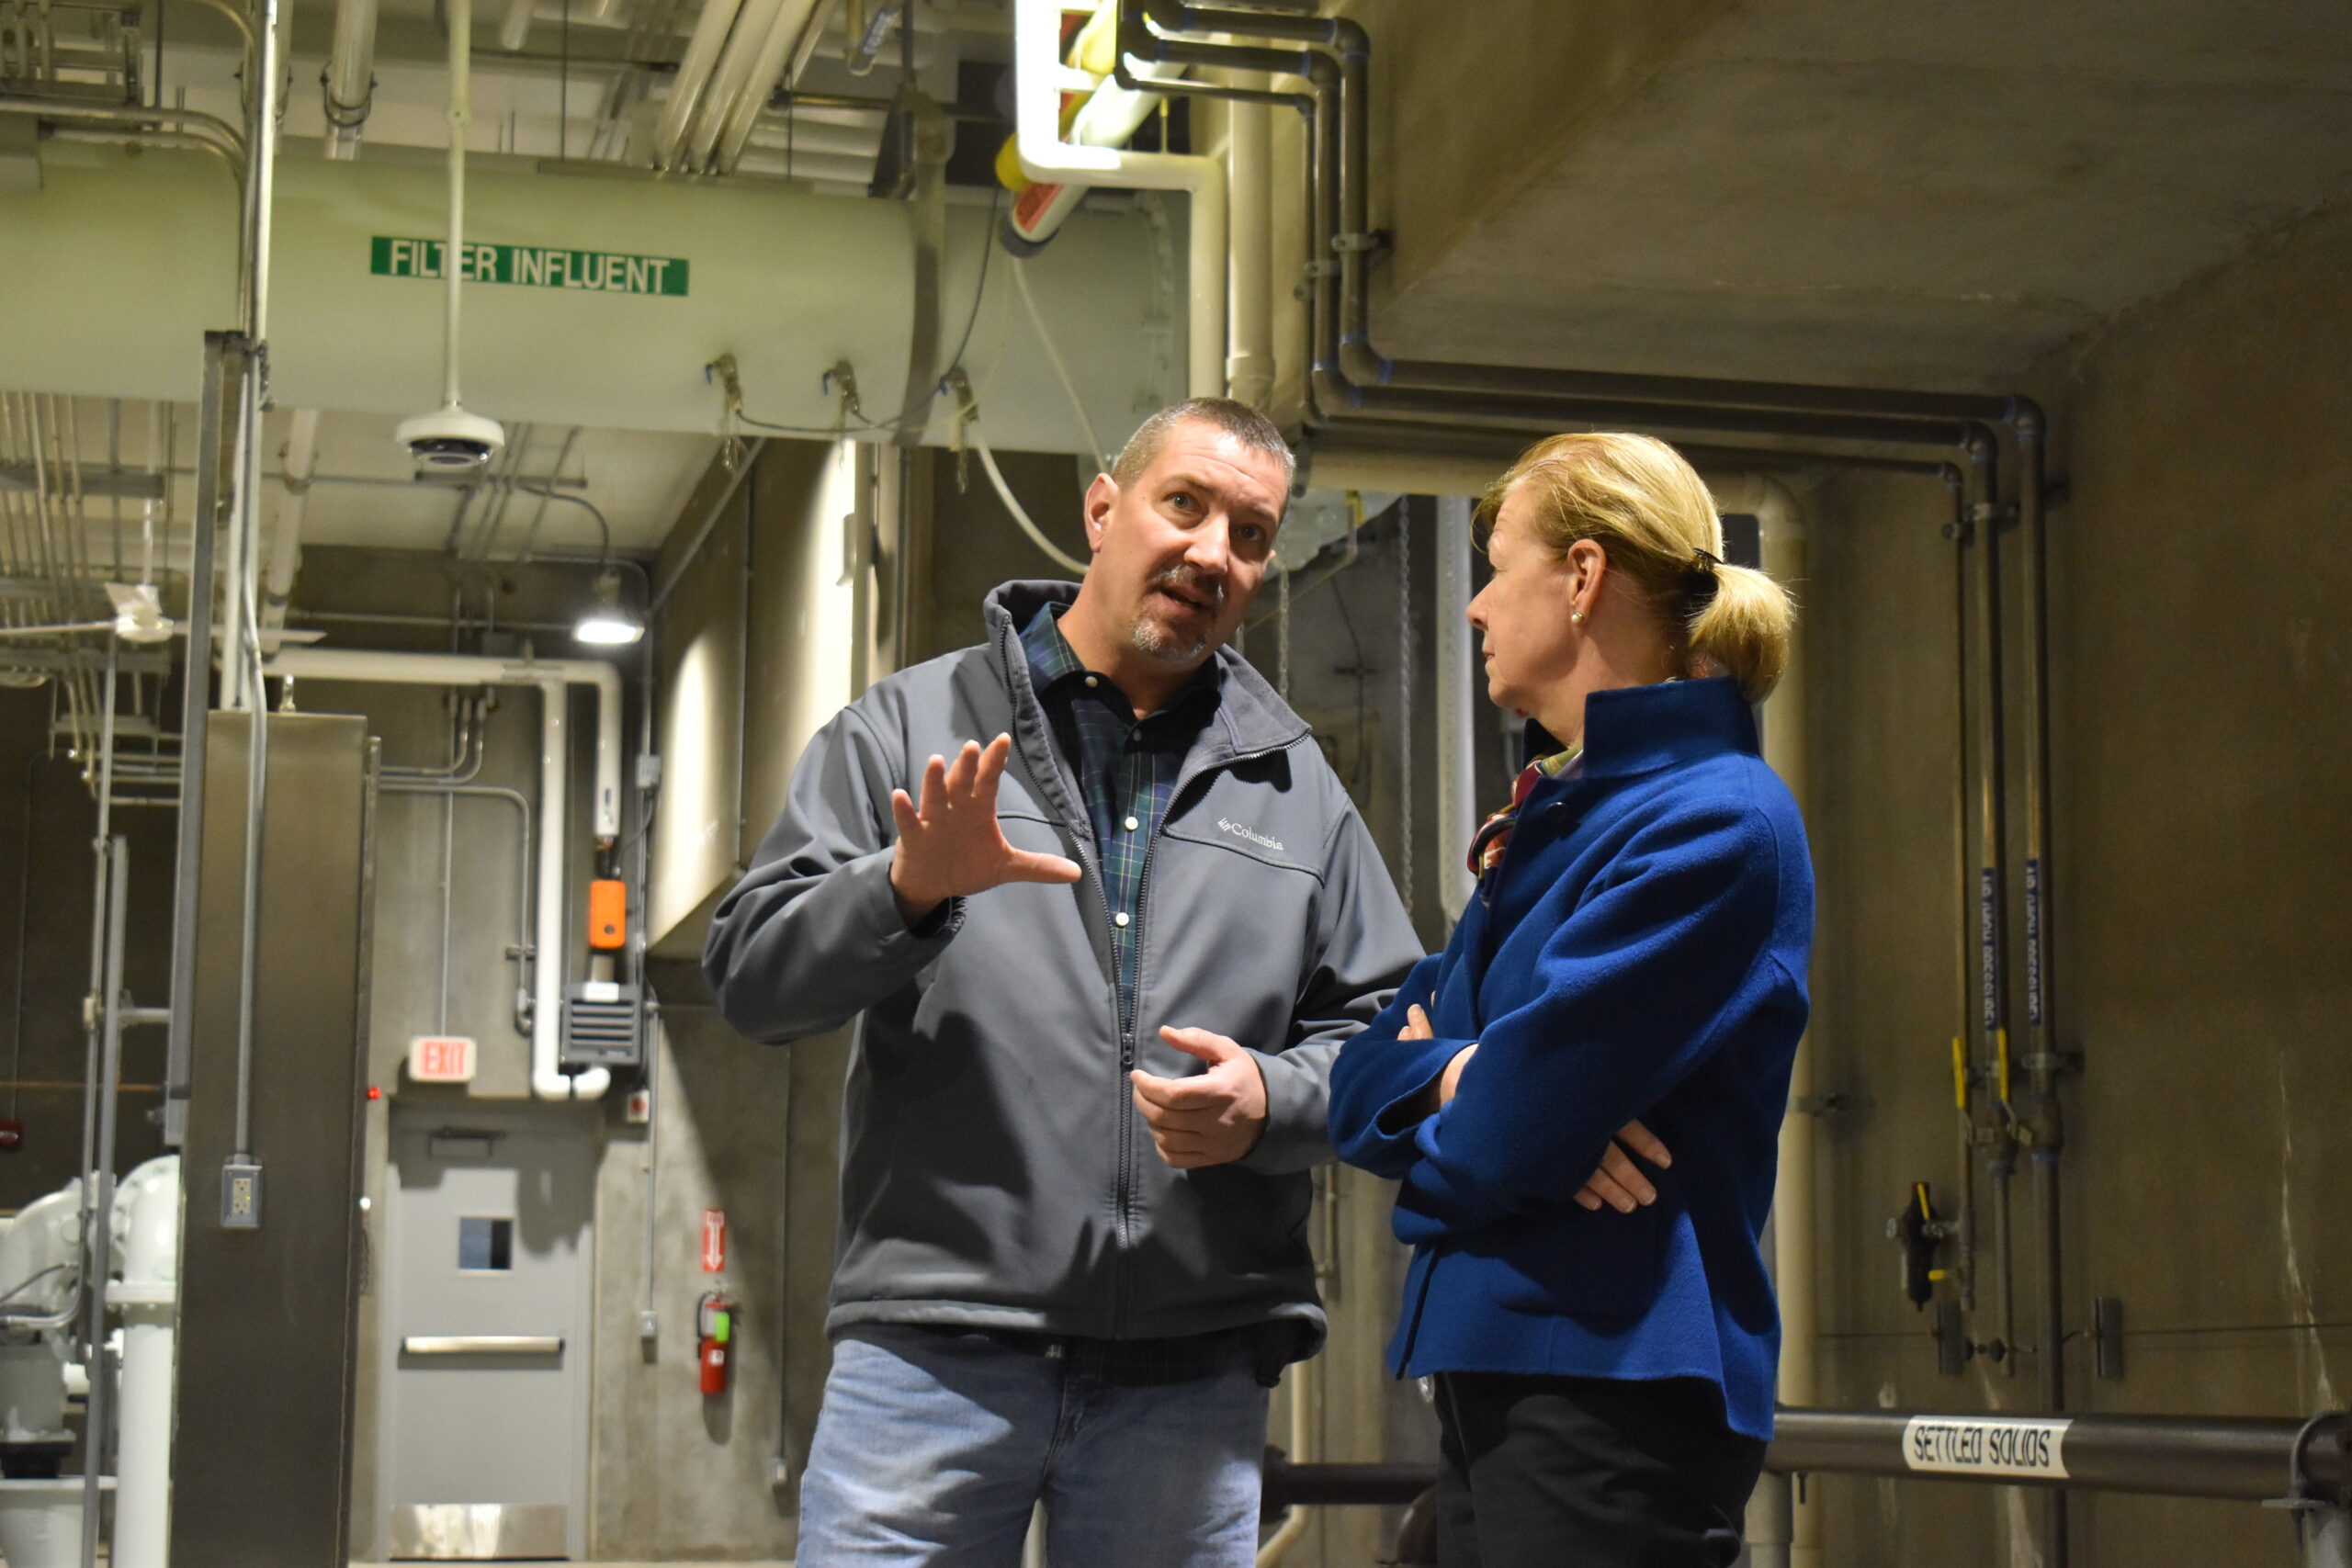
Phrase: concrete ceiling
x=1854 y=191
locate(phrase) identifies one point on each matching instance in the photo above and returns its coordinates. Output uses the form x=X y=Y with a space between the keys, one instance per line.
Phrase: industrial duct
x=138 y=257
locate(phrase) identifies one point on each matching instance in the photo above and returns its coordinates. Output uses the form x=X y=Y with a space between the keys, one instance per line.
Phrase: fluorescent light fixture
x=607 y=623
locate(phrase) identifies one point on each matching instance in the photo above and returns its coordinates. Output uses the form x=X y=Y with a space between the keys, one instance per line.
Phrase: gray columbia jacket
x=994 y=1173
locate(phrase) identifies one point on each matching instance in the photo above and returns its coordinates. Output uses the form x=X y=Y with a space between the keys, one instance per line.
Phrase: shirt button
x=1120 y=918
x=1133 y=824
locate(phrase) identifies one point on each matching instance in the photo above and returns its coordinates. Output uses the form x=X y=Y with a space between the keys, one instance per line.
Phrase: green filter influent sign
x=535 y=266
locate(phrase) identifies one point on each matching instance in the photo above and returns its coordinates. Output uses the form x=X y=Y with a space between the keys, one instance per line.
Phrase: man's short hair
x=1239 y=420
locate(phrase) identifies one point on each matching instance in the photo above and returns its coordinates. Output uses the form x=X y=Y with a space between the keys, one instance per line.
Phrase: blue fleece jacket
x=1642 y=952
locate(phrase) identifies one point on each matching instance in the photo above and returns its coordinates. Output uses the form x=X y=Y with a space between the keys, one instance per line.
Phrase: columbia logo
x=1238 y=832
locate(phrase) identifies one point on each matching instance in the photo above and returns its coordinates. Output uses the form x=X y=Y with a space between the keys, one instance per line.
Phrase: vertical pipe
x=98 y=1231
x=461 y=24
x=2042 y=1058
x=1249 y=324
x=1992 y=859
x=194 y=681
x=1964 y=1078
x=261 y=159
x=1782 y=541
x=1457 y=748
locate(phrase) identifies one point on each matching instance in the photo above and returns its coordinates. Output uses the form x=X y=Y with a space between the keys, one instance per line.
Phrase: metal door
x=486 y=1274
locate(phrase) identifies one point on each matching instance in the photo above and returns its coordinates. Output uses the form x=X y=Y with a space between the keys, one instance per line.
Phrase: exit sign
x=441 y=1058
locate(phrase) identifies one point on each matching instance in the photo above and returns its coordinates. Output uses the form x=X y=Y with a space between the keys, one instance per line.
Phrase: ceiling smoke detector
x=449 y=443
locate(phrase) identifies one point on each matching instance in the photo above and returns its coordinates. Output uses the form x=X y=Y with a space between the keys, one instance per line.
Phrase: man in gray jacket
x=1103 y=962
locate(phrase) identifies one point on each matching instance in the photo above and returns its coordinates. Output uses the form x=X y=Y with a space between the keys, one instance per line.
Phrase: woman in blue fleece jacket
x=1637 y=950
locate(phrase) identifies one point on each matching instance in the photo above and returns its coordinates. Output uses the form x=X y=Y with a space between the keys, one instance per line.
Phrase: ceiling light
x=607 y=623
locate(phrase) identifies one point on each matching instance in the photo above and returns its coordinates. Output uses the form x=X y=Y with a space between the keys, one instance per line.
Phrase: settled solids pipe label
x=1991 y=1446
x=536 y=266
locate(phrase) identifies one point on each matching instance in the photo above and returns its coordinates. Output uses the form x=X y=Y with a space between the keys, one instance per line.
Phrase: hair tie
x=1703 y=563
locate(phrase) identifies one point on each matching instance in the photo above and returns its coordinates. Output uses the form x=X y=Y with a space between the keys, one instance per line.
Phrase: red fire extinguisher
x=715 y=1321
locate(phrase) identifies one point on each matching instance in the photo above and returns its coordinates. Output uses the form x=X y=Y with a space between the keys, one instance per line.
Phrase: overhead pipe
x=1039 y=80
x=747 y=46
x=779 y=65
x=695 y=66
x=552 y=677
x=347 y=84
x=515 y=28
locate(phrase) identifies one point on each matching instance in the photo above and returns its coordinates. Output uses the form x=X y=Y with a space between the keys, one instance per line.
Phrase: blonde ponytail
x=1742 y=630
x=1651 y=514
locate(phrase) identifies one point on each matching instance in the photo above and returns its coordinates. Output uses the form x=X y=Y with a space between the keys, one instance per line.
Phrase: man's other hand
x=950 y=846
x=1212 y=1118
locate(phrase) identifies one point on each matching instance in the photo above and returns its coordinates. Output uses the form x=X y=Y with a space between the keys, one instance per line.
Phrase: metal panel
x=478 y=1531
x=267 y=1315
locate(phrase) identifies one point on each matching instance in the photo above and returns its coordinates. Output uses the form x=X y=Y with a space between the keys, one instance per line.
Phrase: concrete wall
x=2202 y=838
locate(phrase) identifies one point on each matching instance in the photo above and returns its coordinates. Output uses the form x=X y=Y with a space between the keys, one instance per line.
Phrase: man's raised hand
x=950 y=845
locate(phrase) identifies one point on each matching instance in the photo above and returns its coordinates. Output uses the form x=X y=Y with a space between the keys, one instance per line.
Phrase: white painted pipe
x=286 y=541
x=792 y=39
x=1039 y=78
x=350 y=75
x=765 y=35
x=1248 y=150
x=515 y=28
x=550 y=676
x=694 y=67
x=745 y=44
x=1457 y=709
x=1781 y=527
x=147 y=1219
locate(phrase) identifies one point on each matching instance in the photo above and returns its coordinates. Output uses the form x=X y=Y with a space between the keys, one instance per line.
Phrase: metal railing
x=2303 y=1466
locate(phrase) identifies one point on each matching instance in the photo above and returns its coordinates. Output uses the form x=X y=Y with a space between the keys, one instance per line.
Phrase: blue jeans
x=932 y=1447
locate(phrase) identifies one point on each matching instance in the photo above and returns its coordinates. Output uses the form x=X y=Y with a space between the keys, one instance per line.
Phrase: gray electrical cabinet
x=261 y=1457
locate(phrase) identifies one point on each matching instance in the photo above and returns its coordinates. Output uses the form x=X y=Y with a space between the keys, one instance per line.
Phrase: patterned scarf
x=1487 y=848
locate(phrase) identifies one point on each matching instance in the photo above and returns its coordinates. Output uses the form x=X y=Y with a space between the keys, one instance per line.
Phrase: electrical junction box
x=603 y=1025
x=441 y=1058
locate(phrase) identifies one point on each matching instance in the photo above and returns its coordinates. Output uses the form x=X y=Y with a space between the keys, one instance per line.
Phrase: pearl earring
x=1576 y=616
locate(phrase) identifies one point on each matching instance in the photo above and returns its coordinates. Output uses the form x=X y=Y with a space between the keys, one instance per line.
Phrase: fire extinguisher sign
x=714 y=1241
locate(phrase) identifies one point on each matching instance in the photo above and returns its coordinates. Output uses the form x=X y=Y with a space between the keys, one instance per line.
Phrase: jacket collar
x=1250 y=718
x=1633 y=731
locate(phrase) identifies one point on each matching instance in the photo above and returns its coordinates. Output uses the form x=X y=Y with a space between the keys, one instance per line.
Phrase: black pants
x=1588 y=1472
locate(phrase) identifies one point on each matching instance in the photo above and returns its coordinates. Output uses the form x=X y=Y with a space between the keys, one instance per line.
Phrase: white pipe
x=745 y=44
x=694 y=71
x=1039 y=78
x=1457 y=709
x=1012 y=504
x=350 y=75
x=1248 y=150
x=550 y=676
x=515 y=28
x=1781 y=527
x=286 y=542
x=1096 y=451
x=791 y=41
x=461 y=25
x=766 y=37
x=147 y=1216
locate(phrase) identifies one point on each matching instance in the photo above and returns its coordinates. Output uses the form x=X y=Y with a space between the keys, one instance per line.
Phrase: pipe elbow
x=1359 y=361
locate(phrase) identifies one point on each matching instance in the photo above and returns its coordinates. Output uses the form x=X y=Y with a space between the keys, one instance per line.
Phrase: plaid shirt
x=1125 y=767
